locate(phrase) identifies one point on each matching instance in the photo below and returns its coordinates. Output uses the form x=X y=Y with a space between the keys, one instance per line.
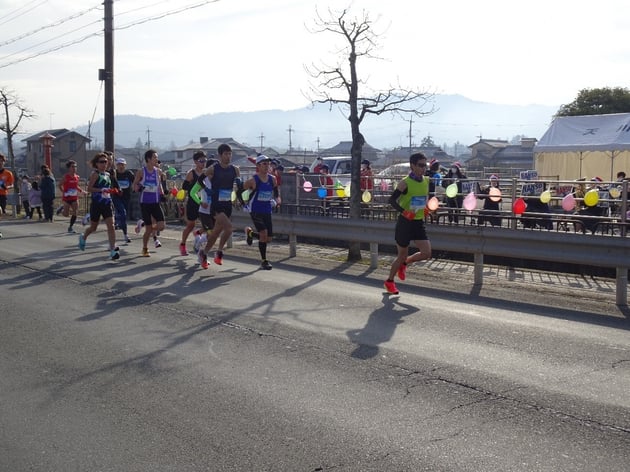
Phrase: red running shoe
x=391 y=287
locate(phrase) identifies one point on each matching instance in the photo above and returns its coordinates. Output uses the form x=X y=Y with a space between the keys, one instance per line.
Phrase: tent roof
x=587 y=133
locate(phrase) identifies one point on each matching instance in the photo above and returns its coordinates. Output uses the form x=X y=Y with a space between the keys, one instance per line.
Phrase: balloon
x=470 y=201
x=172 y=171
x=181 y=195
x=591 y=198
x=451 y=191
x=519 y=206
x=321 y=192
x=615 y=192
x=495 y=194
x=545 y=197
x=384 y=185
x=568 y=202
x=339 y=191
x=307 y=186
x=245 y=195
x=346 y=190
x=174 y=191
x=233 y=196
x=433 y=204
x=366 y=197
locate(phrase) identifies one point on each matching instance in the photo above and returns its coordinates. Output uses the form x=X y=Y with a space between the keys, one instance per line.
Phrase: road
x=152 y=364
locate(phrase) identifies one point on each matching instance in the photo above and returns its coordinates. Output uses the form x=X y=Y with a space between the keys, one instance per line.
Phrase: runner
x=192 y=206
x=70 y=191
x=264 y=193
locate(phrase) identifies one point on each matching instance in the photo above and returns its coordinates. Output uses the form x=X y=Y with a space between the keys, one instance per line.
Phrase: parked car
x=336 y=164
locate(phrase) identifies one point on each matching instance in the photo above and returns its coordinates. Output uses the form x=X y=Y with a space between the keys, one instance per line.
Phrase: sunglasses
x=100 y=162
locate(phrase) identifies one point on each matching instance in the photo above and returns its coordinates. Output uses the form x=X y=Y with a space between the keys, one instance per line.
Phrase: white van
x=336 y=164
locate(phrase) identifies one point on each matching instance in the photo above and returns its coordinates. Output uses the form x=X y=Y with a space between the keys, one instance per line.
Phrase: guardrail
x=580 y=249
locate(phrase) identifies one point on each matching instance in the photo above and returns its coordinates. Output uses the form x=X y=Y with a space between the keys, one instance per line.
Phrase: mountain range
x=456 y=120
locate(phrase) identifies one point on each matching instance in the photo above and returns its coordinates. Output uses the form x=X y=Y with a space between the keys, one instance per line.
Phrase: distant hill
x=457 y=120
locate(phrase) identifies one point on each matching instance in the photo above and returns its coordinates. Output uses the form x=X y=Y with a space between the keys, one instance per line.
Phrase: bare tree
x=339 y=85
x=11 y=102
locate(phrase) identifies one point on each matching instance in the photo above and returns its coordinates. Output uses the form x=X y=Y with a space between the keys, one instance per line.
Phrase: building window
x=73 y=146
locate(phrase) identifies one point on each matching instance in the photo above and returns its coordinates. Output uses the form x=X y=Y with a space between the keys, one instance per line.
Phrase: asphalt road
x=152 y=364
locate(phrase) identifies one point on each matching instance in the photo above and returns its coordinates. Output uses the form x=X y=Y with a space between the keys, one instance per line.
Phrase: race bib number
x=124 y=184
x=73 y=192
x=150 y=188
x=225 y=195
x=418 y=203
x=265 y=196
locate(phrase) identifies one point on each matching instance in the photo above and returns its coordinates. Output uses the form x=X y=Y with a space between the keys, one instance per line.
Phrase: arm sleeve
x=393 y=200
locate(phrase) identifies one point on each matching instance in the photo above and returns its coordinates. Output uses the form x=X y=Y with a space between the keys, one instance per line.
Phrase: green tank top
x=416 y=197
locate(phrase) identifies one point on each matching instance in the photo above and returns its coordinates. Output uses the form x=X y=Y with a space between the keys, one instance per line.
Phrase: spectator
x=367 y=176
x=454 y=176
x=25 y=188
x=491 y=212
x=47 y=186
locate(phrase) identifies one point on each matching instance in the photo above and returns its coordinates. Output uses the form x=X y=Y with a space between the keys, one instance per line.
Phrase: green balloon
x=172 y=171
x=451 y=191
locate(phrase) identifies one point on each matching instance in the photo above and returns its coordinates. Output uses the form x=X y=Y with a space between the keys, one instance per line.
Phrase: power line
x=100 y=33
x=41 y=2
x=51 y=25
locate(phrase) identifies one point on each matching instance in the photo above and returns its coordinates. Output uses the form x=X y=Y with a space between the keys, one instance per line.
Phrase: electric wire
x=41 y=2
x=51 y=25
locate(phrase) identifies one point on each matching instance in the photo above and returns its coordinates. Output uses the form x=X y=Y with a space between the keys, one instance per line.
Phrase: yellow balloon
x=181 y=195
x=366 y=197
x=591 y=198
x=451 y=191
x=233 y=196
x=245 y=195
x=615 y=192
x=347 y=190
x=545 y=197
x=340 y=192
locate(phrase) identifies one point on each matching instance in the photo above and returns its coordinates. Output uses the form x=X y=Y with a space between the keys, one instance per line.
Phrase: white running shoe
x=139 y=225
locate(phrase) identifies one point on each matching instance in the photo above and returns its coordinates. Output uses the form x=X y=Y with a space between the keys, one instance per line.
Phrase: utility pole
x=148 y=138
x=107 y=74
x=262 y=137
x=410 y=135
x=290 y=130
x=318 y=145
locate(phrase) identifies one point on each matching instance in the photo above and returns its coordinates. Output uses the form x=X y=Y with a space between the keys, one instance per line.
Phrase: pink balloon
x=308 y=186
x=433 y=204
x=470 y=201
x=384 y=185
x=495 y=194
x=568 y=202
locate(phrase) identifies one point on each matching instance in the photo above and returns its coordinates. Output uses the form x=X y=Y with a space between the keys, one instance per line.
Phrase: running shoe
x=85 y=220
x=391 y=287
x=182 y=249
x=71 y=229
x=265 y=265
x=218 y=258
x=157 y=243
x=249 y=234
x=402 y=271
x=114 y=254
x=82 y=242
x=139 y=225
x=203 y=259
x=127 y=239
x=145 y=252
x=197 y=241
x=0 y=235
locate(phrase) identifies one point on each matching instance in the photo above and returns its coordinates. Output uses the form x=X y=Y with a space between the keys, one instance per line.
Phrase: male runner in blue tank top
x=410 y=199
x=264 y=196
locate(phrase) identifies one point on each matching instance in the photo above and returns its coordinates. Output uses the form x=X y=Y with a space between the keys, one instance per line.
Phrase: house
x=401 y=155
x=66 y=145
x=498 y=156
x=183 y=155
x=344 y=149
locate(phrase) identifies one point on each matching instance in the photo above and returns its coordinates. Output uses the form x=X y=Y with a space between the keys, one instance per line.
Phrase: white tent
x=584 y=146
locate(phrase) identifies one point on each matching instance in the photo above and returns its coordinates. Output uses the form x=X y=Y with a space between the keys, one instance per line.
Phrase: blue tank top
x=261 y=202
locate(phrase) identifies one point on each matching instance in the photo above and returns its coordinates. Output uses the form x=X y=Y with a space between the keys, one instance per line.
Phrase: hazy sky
x=248 y=55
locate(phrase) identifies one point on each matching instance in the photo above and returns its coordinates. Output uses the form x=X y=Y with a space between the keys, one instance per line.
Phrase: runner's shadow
x=380 y=327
